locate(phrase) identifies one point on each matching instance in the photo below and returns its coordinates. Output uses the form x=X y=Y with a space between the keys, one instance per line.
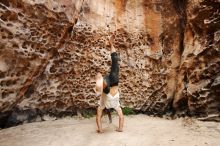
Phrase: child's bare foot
x=100 y=131
x=127 y=44
x=111 y=39
x=107 y=43
x=119 y=130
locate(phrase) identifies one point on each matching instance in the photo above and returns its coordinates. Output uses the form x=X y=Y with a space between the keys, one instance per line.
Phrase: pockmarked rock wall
x=51 y=50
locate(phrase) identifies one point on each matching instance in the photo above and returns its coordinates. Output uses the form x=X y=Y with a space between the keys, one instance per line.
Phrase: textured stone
x=50 y=51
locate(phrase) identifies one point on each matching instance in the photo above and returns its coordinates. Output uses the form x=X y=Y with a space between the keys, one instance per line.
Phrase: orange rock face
x=50 y=52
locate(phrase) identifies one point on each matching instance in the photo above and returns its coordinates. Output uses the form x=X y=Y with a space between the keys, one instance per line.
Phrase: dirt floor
x=139 y=130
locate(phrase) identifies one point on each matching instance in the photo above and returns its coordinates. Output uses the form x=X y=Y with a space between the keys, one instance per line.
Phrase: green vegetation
x=128 y=111
x=88 y=113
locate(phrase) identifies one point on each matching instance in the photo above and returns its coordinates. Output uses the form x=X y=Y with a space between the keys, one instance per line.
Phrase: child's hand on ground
x=119 y=130
x=99 y=131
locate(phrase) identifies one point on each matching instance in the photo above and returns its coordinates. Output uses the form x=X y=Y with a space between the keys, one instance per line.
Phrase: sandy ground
x=139 y=130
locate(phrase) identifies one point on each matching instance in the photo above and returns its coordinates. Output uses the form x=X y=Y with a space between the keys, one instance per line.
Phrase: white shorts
x=108 y=101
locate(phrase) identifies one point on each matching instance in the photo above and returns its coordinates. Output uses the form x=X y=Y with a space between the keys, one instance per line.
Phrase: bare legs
x=112 y=47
